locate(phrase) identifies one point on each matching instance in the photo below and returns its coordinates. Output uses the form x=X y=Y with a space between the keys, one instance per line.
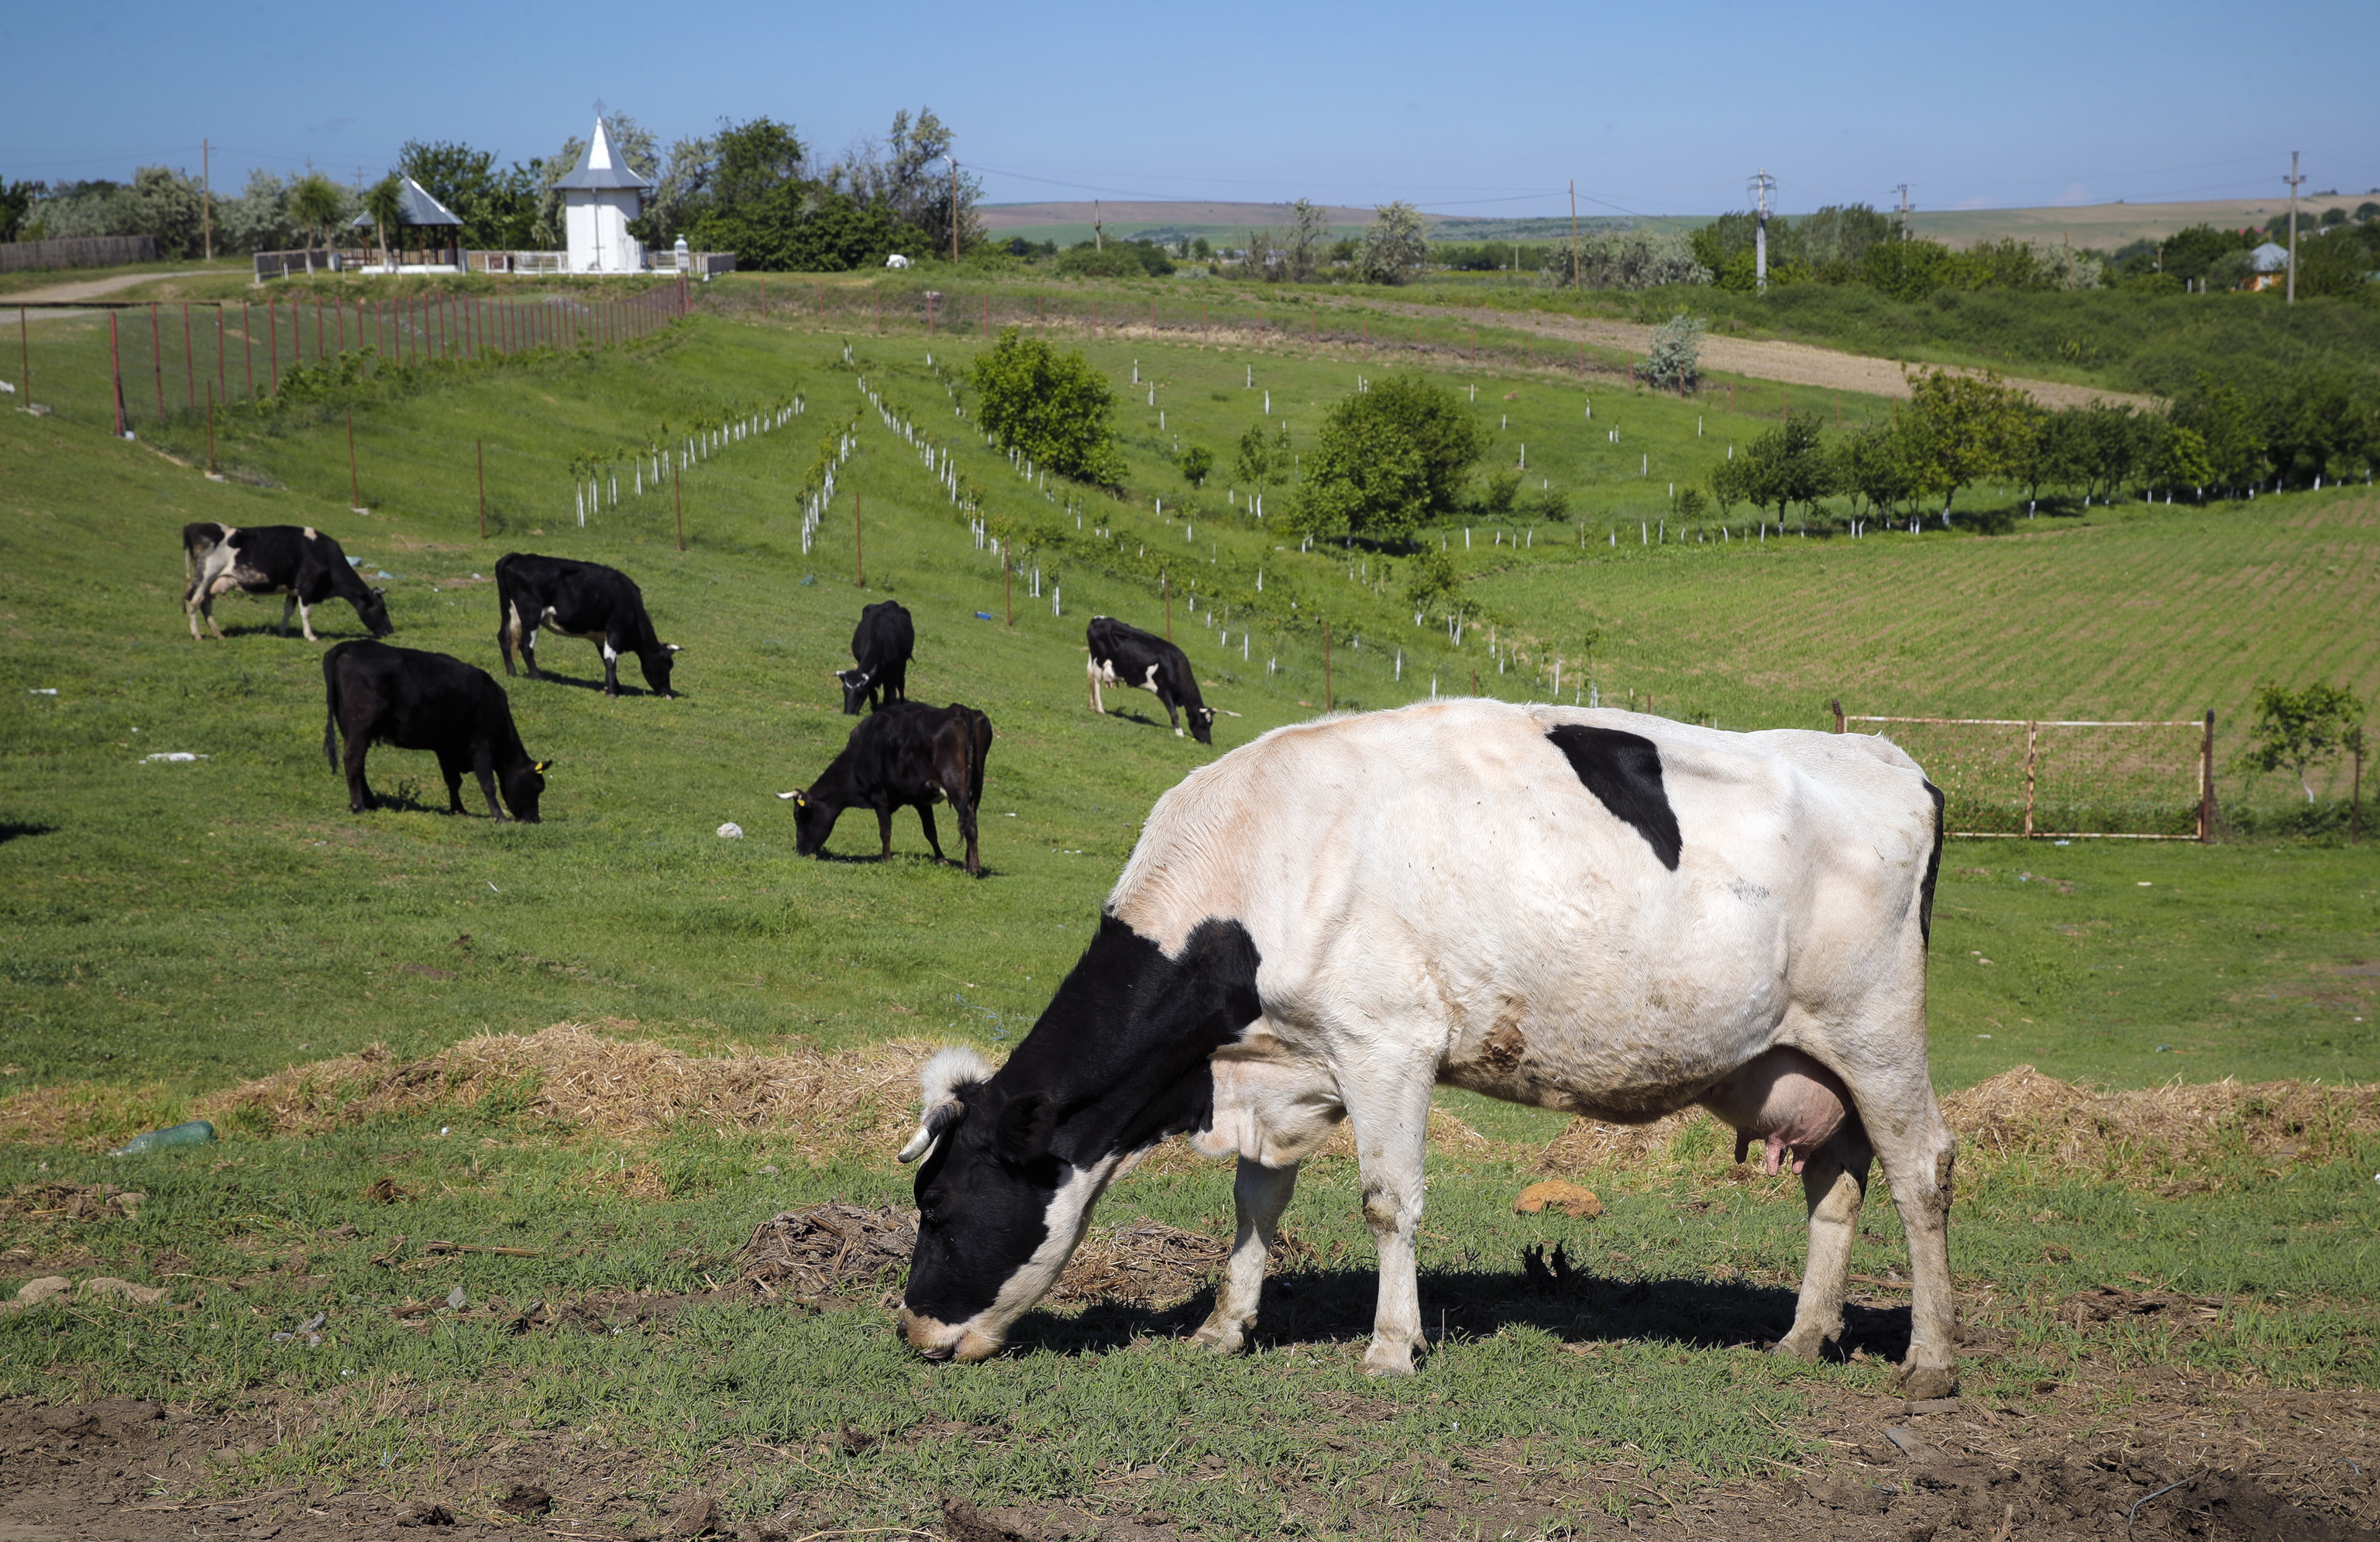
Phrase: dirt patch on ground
x=2173 y=1460
x=827 y=1250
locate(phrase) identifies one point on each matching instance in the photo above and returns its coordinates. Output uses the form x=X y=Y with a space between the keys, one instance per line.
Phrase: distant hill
x=2106 y=227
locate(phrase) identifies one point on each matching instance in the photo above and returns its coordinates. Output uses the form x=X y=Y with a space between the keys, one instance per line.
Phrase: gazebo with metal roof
x=417 y=209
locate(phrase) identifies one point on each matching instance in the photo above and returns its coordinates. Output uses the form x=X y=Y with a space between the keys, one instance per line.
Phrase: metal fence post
x=2031 y=741
x=2206 y=783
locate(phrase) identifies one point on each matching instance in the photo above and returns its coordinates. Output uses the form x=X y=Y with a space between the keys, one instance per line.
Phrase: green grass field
x=176 y=927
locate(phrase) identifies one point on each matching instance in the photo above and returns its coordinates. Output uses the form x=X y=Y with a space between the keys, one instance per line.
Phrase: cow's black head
x=855 y=689
x=997 y=1212
x=374 y=608
x=523 y=785
x=1202 y=724
x=657 y=665
x=813 y=821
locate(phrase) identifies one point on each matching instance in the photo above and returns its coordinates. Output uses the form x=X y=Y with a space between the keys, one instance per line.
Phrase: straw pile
x=2144 y=1135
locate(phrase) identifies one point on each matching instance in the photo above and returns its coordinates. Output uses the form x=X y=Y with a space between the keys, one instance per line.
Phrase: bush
x=1672 y=362
x=1118 y=260
x=1386 y=458
x=1052 y=409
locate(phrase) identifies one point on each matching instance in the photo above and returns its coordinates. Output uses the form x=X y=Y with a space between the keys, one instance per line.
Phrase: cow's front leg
x=1389 y=1110
x=452 y=769
x=1834 y=1182
x=611 y=668
x=1258 y=1195
x=884 y=829
x=289 y=609
x=305 y=621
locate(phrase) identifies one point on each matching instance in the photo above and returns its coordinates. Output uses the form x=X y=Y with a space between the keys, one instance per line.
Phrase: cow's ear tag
x=676 y=648
x=541 y=767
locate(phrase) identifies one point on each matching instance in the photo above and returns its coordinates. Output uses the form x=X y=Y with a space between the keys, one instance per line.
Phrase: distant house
x=2271 y=262
x=600 y=196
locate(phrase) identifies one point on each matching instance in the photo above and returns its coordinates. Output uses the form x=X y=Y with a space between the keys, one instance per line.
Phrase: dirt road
x=1764 y=358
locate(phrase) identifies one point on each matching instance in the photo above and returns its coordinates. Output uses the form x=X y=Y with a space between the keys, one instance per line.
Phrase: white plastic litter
x=42 y=690
x=174 y=755
x=730 y=831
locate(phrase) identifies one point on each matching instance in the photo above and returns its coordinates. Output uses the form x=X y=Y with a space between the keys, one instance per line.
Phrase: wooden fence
x=88 y=251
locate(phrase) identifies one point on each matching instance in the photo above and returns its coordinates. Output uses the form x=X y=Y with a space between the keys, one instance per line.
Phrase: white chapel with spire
x=600 y=196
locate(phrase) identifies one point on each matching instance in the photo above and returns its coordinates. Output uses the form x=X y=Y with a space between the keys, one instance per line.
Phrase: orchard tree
x=1055 y=409
x=1963 y=428
x=1197 y=463
x=1395 y=243
x=2294 y=730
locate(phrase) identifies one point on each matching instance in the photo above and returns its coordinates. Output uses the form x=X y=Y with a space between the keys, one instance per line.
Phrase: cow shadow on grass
x=547 y=677
x=14 y=830
x=918 y=858
x=1334 y=1305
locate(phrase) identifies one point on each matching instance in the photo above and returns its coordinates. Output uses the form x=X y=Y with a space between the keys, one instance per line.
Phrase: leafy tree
x=1054 y=408
x=1197 y=464
x=2221 y=414
x=2294 y=730
x=1873 y=466
x=16 y=201
x=1263 y=459
x=1787 y=465
x=1730 y=483
x=1672 y=362
x=907 y=174
x=2177 y=457
x=1395 y=243
x=498 y=206
x=315 y=205
x=1626 y=260
x=1502 y=489
x=1963 y=428
x=1309 y=228
x=1366 y=477
x=384 y=202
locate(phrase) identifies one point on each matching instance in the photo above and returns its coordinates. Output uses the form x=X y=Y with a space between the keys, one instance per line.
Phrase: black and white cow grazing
x=578 y=600
x=415 y=701
x=881 y=645
x=1123 y=655
x=903 y=756
x=1593 y=911
x=297 y=561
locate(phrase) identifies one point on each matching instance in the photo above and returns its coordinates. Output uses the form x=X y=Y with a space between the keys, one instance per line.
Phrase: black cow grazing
x=903 y=756
x=294 y=560
x=578 y=600
x=880 y=645
x=417 y=701
x=1123 y=655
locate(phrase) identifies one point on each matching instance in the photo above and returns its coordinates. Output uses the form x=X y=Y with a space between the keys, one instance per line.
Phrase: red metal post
x=157 y=357
x=190 y=359
x=248 y=346
x=2206 y=783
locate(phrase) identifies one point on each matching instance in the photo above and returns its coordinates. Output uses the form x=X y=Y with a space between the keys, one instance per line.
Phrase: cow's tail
x=1933 y=870
x=331 y=708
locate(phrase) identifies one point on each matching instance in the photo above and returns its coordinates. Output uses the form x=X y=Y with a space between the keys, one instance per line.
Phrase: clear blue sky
x=1474 y=109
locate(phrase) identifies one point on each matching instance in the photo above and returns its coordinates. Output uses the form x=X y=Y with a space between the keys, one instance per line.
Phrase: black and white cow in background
x=1593 y=911
x=903 y=756
x=578 y=600
x=294 y=560
x=410 y=699
x=880 y=647
x=1123 y=655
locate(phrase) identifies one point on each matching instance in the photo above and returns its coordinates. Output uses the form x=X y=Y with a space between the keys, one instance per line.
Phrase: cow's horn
x=675 y=648
x=919 y=1144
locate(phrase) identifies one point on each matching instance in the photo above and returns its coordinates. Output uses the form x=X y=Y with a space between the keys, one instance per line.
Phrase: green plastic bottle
x=198 y=1131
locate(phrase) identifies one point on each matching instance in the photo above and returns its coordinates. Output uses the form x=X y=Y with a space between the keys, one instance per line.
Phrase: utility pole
x=2293 y=179
x=1762 y=186
x=207 y=209
x=1903 y=190
x=954 y=206
x=1099 y=238
x=1574 y=232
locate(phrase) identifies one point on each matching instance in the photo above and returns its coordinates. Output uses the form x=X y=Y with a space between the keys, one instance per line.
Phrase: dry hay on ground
x=569 y=1072
x=2147 y=1136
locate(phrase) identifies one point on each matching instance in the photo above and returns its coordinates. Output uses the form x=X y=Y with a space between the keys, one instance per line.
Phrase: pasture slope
x=180 y=929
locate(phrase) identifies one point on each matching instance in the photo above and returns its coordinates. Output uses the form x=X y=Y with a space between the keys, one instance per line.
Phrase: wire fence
x=2065 y=779
x=137 y=368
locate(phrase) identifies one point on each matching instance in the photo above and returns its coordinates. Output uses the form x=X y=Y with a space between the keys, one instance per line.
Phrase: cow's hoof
x=1918 y=1383
x=1223 y=1337
x=1807 y=1348
x=1388 y=1360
